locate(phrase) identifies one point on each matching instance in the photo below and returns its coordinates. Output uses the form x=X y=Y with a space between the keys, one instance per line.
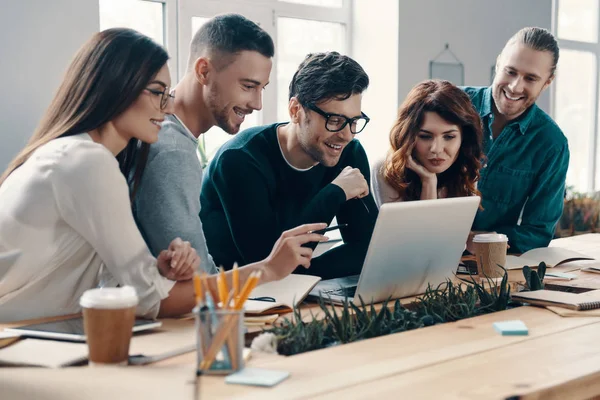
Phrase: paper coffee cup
x=490 y=251
x=108 y=318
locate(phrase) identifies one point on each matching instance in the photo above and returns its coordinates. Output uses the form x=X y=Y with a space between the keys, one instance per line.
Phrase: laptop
x=414 y=243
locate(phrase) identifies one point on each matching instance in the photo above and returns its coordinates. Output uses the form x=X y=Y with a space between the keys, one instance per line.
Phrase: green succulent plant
x=534 y=280
x=446 y=302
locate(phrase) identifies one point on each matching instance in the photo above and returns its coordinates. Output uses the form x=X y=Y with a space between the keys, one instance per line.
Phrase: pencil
x=222 y=286
x=227 y=325
x=198 y=288
x=207 y=288
x=231 y=338
x=246 y=290
x=235 y=278
x=365 y=205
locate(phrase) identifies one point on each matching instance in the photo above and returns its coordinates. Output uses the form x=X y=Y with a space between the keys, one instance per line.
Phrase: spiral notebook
x=572 y=301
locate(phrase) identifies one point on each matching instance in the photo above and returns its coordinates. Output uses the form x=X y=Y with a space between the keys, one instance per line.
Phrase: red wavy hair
x=454 y=106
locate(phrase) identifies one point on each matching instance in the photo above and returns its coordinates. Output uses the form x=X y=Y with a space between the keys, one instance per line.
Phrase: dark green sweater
x=250 y=195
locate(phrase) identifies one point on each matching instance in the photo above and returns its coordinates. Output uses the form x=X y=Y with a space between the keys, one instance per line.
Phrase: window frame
x=170 y=34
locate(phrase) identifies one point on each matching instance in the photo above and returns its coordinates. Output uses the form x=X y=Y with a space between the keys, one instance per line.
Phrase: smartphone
x=330 y=228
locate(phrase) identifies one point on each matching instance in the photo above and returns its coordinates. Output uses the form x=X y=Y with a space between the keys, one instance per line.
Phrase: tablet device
x=70 y=329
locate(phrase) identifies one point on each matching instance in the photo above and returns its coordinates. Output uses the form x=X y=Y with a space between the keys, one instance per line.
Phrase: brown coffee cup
x=108 y=318
x=490 y=251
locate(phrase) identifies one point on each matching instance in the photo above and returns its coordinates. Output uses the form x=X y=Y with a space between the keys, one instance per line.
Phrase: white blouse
x=67 y=209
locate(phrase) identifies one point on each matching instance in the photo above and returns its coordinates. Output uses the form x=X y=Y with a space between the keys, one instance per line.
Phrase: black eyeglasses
x=164 y=96
x=337 y=122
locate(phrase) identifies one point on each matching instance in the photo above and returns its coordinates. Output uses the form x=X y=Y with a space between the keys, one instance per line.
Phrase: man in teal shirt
x=523 y=179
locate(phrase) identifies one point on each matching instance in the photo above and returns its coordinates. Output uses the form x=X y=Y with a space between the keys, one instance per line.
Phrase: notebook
x=572 y=301
x=552 y=256
x=280 y=296
x=564 y=312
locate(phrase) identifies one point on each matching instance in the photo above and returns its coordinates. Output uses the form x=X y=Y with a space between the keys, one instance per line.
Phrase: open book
x=280 y=296
x=572 y=301
x=552 y=256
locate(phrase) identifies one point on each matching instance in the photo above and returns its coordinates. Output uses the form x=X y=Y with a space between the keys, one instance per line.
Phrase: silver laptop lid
x=415 y=243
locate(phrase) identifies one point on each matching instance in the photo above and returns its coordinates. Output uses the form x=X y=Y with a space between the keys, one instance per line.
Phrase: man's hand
x=179 y=262
x=352 y=182
x=288 y=253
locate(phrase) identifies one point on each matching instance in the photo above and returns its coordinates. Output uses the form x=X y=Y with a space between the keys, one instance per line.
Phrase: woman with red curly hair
x=436 y=147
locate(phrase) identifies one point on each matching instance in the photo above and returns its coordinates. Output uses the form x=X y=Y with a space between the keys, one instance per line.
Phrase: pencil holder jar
x=219 y=340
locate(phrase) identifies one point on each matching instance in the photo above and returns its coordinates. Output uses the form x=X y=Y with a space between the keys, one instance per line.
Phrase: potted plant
x=580 y=214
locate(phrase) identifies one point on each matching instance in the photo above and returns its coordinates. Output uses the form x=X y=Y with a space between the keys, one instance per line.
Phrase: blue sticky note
x=561 y=275
x=511 y=328
x=257 y=377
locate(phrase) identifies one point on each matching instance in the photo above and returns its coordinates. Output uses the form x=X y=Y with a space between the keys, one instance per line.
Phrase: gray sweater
x=167 y=203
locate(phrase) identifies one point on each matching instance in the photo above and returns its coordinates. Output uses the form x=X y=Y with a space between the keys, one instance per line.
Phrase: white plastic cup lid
x=109 y=298
x=490 y=238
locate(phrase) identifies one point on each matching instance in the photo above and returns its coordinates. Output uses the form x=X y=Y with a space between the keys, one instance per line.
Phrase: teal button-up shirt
x=525 y=170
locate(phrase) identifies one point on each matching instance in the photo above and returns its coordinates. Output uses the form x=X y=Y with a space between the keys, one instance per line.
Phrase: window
x=143 y=16
x=578 y=20
x=575 y=93
x=297 y=38
x=575 y=112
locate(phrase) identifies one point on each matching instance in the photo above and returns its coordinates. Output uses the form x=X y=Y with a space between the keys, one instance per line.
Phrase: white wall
x=475 y=29
x=38 y=39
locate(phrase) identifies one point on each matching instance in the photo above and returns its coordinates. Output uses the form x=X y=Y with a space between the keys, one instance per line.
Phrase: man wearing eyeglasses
x=270 y=178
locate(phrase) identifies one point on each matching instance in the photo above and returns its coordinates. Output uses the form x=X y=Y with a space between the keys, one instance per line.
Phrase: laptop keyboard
x=347 y=292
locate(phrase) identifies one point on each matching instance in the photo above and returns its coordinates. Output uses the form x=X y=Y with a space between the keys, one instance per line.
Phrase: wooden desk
x=465 y=359
x=462 y=359
x=538 y=368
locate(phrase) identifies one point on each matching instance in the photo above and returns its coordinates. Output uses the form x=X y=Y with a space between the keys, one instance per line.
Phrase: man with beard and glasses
x=272 y=177
x=523 y=179
x=229 y=66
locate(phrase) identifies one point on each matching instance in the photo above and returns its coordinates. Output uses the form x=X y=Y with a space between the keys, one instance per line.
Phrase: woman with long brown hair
x=65 y=203
x=436 y=147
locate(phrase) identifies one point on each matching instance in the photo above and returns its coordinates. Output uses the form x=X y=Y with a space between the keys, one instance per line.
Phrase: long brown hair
x=452 y=105
x=106 y=76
